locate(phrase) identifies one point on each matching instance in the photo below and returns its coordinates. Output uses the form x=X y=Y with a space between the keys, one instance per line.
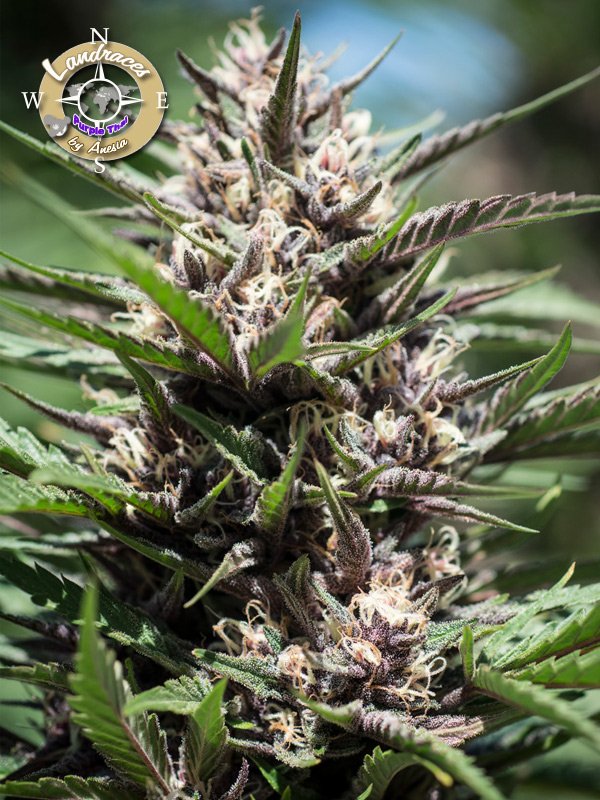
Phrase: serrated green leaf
x=255 y=674
x=152 y=394
x=50 y=676
x=574 y=670
x=388 y=335
x=117 y=619
x=193 y=318
x=106 y=287
x=111 y=179
x=441 y=146
x=177 y=696
x=18 y=496
x=282 y=342
x=52 y=358
x=112 y=339
x=456 y=220
x=580 y=629
x=390 y=729
x=112 y=492
x=71 y=787
x=243 y=449
x=380 y=767
x=273 y=503
x=206 y=736
x=452 y=761
x=21 y=452
x=543 y=600
x=134 y=746
x=537 y=701
x=513 y=396
x=542 y=424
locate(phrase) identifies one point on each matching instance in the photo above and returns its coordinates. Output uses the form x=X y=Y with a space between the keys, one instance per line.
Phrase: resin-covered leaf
x=392 y=302
x=542 y=423
x=19 y=496
x=392 y=730
x=279 y=115
x=206 y=736
x=455 y=391
x=445 y=507
x=134 y=746
x=255 y=674
x=457 y=220
x=282 y=342
x=353 y=550
x=170 y=218
x=105 y=287
x=154 y=352
x=388 y=335
x=273 y=503
x=241 y=556
x=152 y=393
x=193 y=318
x=110 y=491
x=243 y=449
x=194 y=514
x=178 y=696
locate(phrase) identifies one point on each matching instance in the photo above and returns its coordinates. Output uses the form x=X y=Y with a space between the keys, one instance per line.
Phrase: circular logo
x=101 y=99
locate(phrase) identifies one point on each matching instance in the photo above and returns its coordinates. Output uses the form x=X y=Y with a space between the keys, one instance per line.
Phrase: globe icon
x=100 y=100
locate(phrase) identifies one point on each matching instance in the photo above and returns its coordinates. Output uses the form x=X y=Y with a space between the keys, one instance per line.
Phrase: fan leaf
x=135 y=747
x=438 y=147
x=459 y=219
x=206 y=736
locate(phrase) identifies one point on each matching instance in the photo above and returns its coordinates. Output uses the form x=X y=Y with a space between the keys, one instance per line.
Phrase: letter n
x=96 y=33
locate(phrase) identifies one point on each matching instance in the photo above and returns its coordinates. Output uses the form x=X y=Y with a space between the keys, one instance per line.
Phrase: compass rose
x=111 y=99
x=106 y=95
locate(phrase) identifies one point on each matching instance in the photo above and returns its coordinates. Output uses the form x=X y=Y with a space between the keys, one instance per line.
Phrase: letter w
x=34 y=98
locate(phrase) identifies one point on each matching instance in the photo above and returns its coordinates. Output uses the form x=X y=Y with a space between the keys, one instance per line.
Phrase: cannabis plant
x=263 y=570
